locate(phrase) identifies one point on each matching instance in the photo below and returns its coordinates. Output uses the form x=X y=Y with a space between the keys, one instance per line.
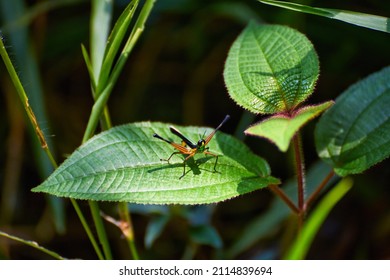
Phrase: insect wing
x=182 y=137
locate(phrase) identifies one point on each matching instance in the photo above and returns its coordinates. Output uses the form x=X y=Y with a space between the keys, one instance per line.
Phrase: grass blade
x=32 y=244
x=100 y=26
x=360 y=19
x=114 y=42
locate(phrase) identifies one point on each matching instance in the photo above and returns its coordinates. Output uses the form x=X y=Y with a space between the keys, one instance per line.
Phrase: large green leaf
x=365 y=20
x=355 y=133
x=270 y=69
x=280 y=129
x=123 y=164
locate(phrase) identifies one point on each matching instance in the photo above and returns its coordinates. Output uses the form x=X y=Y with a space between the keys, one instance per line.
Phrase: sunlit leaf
x=123 y=164
x=270 y=69
x=280 y=129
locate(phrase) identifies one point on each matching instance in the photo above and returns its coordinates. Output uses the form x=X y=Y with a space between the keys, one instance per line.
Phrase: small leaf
x=206 y=235
x=365 y=20
x=270 y=69
x=355 y=133
x=123 y=164
x=154 y=229
x=279 y=129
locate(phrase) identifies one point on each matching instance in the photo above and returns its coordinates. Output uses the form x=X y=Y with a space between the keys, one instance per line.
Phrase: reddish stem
x=315 y=194
x=299 y=165
x=279 y=192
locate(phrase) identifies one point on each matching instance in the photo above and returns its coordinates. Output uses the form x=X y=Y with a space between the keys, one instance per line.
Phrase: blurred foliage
x=175 y=75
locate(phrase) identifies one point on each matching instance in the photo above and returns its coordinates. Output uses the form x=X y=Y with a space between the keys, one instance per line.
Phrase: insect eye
x=201 y=143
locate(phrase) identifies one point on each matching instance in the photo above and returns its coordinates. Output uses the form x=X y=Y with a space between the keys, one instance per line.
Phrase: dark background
x=175 y=75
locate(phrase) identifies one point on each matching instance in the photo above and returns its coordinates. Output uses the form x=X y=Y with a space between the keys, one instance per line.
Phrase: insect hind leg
x=216 y=159
x=184 y=165
x=167 y=160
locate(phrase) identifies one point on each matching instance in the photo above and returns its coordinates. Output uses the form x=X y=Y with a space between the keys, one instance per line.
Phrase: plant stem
x=299 y=248
x=317 y=191
x=103 y=96
x=279 y=192
x=38 y=132
x=87 y=229
x=127 y=228
x=98 y=109
x=23 y=97
x=95 y=211
x=33 y=244
x=300 y=170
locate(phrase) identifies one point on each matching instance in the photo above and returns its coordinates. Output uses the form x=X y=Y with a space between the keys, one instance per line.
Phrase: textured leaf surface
x=123 y=164
x=270 y=68
x=355 y=133
x=365 y=20
x=280 y=129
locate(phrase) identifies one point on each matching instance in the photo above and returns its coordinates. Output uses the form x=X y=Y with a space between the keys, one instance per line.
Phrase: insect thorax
x=201 y=147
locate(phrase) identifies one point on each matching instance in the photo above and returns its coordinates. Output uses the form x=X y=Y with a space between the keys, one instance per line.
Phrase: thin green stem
x=99 y=108
x=300 y=247
x=127 y=228
x=96 y=112
x=24 y=99
x=87 y=229
x=33 y=244
x=40 y=136
x=95 y=211
x=103 y=97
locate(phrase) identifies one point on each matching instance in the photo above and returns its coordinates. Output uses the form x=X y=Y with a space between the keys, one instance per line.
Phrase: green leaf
x=365 y=20
x=206 y=235
x=154 y=229
x=355 y=133
x=302 y=244
x=270 y=69
x=123 y=164
x=279 y=129
x=89 y=66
